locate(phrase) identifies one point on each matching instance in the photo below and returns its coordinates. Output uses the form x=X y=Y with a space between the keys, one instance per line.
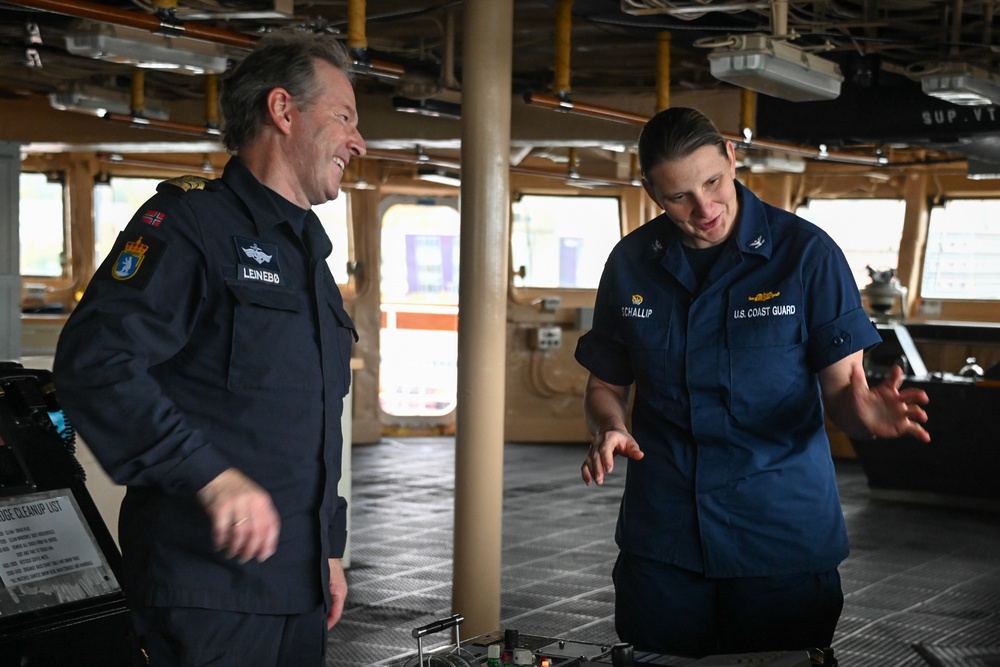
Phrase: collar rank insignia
x=257 y=262
x=756 y=243
x=138 y=254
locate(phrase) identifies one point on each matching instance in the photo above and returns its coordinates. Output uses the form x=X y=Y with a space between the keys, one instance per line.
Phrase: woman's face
x=698 y=192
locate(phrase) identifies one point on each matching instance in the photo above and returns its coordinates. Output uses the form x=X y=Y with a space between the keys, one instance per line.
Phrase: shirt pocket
x=767 y=366
x=274 y=346
x=339 y=340
x=657 y=363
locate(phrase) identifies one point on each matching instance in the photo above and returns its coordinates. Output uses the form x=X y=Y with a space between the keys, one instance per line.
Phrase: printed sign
x=47 y=553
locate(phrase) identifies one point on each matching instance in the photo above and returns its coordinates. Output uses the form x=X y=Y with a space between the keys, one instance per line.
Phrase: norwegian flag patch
x=153 y=218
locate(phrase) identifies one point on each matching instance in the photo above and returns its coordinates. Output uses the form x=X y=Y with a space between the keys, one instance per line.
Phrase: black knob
x=510 y=639
x=622 y=655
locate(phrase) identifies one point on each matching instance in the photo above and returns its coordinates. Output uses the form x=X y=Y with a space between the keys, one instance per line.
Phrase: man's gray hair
x=281 y=59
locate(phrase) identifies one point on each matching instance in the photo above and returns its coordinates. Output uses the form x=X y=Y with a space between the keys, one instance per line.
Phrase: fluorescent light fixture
x=97 y=101
x=767 y=163
x=440 y=176
x=961 y=83
x=776 y=68
x=280 y=9
x=428 y=107
x=141 y=48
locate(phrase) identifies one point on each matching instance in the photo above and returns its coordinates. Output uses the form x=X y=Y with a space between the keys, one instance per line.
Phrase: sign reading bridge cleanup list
x=48 y=554
x=42 y=536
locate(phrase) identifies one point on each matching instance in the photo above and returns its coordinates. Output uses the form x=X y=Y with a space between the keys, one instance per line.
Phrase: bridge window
x=563 y=241
x=962 y=260
x=867 y=230
x=419 y=283
x=42 y=226
x=335 y=215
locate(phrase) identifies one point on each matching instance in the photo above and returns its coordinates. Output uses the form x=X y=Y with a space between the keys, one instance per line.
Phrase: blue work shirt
x=737 y=478
x=214 y=336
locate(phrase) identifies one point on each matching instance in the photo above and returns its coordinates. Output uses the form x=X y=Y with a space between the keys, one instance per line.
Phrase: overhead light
x=141 y=48
x=440 y=176
x=776 y=68
x=279 y=9
x=961 y=83
x=98 y=101
x=428 y=107
x=765 y=163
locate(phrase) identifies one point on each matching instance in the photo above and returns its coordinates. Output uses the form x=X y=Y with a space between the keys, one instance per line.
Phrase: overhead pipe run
x=617 y=115
x=160 y=24
x=156 y=24
x=164 y=125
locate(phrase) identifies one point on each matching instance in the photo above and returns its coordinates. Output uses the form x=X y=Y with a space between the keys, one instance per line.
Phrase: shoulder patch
x=185 y=183
x=137 y=254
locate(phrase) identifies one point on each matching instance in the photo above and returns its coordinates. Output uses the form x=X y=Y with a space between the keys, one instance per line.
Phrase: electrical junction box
x=545 y=338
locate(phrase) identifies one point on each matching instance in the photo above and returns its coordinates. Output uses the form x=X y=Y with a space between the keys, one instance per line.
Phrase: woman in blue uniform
x=206 y=367
x=737 y=323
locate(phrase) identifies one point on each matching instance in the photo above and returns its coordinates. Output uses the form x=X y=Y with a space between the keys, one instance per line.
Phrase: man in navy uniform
x=206 y=367
x=737 y=323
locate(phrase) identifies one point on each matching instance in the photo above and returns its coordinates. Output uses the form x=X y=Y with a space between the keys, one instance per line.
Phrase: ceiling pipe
x=164 y=125
x=159 y=24
x=955 y=36
x=564 y=32
x=212 y=100
x=662 y=71
x=357 y=38
x=138 y=103
x=583 y=109
x=448 y=66
x=605 y=113
x=748 y=113
x=779 y=19
x=423 y=159
x=357 y=44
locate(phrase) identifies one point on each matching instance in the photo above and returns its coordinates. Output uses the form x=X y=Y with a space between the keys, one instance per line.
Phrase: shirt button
x=838 y=340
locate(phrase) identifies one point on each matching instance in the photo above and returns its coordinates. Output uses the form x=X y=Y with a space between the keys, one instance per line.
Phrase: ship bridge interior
x=614 y=60
x=481 y=511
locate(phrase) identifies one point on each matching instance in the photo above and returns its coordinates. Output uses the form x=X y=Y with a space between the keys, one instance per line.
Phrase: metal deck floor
x=922 y=583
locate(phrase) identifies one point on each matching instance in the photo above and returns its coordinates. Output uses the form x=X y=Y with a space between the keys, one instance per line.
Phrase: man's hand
x=338 y=592
x=601 y=458
x=244 y=520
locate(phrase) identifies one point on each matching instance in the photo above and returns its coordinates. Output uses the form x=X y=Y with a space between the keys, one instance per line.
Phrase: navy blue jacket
x=212 y=338
x=737 y=478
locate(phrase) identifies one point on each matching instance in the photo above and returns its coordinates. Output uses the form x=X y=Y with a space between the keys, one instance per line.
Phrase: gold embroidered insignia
x=188 y=182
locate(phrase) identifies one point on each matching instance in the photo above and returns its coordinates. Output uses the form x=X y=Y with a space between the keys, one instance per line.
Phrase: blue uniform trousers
x=191 y=637
x=665 y=609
